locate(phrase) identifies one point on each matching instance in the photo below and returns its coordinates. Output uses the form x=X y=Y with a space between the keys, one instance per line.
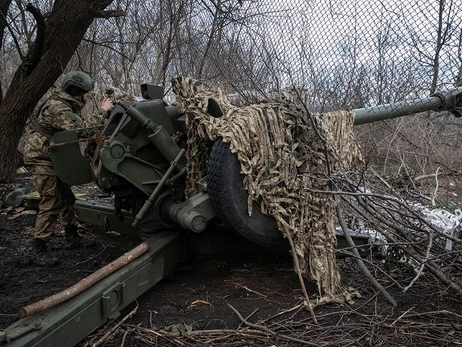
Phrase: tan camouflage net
x=282 y=150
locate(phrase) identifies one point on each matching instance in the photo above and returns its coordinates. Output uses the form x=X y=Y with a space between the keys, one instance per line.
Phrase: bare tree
x=430 y=50
x=4 y=6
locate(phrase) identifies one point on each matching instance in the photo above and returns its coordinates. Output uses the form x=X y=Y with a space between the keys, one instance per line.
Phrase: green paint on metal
x=156 y=112
x=104 y=215
x=70 y=322
x=150 y=201
x=395 y=110
x=68 y=162
x=152 y=91
x=447 y=101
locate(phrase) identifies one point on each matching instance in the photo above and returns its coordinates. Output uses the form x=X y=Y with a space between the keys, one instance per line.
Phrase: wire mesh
x=341 y=54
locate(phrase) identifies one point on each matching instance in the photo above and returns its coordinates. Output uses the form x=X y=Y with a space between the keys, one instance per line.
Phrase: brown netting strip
x=285 y=152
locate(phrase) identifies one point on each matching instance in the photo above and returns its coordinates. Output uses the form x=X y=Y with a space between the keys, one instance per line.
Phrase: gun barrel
x=137 y=116
x=437 y=102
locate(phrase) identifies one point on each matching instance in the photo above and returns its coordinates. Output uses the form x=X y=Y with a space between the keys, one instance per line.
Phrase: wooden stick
x=436 y=188
x=422 y=265
x=360 y=263
x=114 y=329
x=83 y=284
x=272 y=332
x=300 y=278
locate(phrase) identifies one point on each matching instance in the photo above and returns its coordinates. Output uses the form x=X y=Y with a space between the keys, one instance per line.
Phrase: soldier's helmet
x=77 y=79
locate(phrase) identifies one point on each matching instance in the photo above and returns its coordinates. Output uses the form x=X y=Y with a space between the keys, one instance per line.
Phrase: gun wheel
x=229 y=198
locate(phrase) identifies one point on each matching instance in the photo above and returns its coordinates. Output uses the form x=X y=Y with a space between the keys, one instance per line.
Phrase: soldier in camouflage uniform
x=60 y=112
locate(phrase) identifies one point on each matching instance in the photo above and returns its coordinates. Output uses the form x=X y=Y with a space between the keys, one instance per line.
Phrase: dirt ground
x=228 y=300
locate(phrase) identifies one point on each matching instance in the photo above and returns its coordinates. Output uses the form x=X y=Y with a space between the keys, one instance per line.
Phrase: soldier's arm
x=96 y=118
x=60 y=116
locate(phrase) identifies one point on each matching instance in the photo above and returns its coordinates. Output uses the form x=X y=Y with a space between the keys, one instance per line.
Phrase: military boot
x=41 y=255
x=74 y=240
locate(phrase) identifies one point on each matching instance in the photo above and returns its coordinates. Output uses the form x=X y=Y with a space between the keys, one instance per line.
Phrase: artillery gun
x=138 y=157
x=141 y=162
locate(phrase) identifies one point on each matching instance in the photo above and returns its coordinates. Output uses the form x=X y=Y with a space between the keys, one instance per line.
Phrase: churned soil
x=23 y=281
x=226 y=300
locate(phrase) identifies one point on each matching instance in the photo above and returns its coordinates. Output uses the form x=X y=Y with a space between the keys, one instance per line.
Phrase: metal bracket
x=112 y=300
x=21 y=331
x=450 y=101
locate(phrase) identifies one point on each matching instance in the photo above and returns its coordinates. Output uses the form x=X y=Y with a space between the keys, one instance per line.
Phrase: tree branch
x=110 y=14
x=300 y=278
x=359 y=261
x=269 y=331
x=38 y=47
x=85 y=283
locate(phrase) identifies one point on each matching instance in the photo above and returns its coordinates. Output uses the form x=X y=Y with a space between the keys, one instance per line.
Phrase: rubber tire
x=229 y=198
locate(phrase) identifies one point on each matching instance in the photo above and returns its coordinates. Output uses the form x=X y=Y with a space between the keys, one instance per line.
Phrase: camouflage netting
x=284 y=153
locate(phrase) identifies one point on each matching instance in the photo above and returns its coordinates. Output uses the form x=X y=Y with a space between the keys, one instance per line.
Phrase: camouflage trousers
x=56 y=201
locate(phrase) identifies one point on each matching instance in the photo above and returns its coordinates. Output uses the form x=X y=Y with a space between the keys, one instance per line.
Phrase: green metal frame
x=103 y=214
x=70 y=322
x=68 y=162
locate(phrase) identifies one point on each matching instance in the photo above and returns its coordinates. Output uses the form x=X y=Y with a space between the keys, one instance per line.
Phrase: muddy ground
x=227 y=300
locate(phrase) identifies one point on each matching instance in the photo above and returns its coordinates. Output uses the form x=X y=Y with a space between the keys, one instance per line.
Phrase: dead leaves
x=17 y=212
x=199 y=304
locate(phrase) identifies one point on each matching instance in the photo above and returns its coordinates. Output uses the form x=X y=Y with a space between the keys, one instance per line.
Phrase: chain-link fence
x=348 y=53
x=342 y=54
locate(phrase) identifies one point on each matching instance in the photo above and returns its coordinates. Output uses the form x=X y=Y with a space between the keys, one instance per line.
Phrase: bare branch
x=110 y=14
x=359 y=261
x=38 y=47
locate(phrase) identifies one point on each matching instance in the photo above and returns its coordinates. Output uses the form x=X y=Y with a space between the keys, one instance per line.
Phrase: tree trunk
x=4 y=5
x=66 y=26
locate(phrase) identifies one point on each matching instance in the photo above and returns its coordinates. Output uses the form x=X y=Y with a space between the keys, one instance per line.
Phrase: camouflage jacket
x=59 y=113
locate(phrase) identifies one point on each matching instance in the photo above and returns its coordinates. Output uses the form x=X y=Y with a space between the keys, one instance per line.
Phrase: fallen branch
x=436 y=187
x=423 y=177
x=114 y=329
x=430 y=265
x=83 y=284
x=300 y=277
x=91 y=258
x=269 y=331
x=361 y=263
x=422 y=265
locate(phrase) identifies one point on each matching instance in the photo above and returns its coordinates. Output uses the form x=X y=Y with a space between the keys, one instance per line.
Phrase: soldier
x=60 y=112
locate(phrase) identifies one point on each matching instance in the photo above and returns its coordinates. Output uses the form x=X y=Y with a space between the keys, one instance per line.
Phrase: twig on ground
x=399 y=318
x=250 y=315
x=422 y=265
x=248 y=289
x=283 y=312
x=269 y=331
x=300 y=277
x=122 y=344
x=436 y=187
x=360 y=262
x=114 y=329
x=94 y=257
